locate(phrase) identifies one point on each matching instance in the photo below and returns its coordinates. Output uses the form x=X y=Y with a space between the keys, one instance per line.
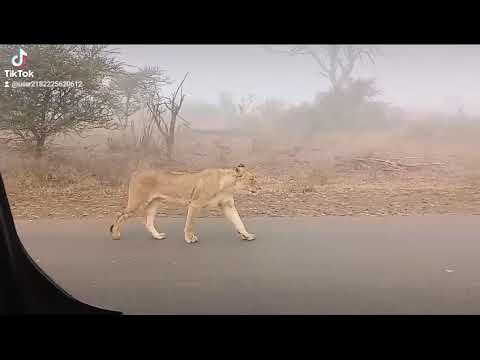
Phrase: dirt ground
x=344 y=176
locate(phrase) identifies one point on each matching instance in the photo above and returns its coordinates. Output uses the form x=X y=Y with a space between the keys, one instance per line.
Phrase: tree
x=356 y=93
x=158 y=104
x=131 y=88
x=34 y=115
x=354 y=107
x=246 y=105
x=336 y=62
x=227 y=105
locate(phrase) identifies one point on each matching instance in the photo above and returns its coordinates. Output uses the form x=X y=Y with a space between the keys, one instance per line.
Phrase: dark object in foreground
x=24 y=287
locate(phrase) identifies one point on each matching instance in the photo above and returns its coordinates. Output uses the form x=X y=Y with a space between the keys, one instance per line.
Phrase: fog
x=418 y=78
x=307 y=140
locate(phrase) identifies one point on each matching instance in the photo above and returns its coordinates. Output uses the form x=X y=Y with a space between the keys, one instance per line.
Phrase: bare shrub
x=139 y=136
x=319 y=176
x=58 y=169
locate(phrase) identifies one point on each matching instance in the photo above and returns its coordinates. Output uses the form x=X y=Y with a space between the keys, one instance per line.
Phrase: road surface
x=324 y=265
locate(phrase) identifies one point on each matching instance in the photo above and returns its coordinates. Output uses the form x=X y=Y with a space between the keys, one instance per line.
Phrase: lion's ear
x=240 y=169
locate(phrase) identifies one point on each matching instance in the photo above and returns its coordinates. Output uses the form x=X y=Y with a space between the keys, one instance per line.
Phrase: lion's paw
x=191 y=238
x=248 y=236
x=159 y=236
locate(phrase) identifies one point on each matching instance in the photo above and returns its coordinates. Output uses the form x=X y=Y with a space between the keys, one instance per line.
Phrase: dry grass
x=89 y=177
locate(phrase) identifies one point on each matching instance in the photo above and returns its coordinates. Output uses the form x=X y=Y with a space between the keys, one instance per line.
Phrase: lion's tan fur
x=206 y=188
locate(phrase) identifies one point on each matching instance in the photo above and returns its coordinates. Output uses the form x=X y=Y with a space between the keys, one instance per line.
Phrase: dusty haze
x=437 y=78
x=402 y=137
x=392 y=147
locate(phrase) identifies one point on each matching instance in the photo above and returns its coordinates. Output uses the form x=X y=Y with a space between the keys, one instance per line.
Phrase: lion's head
x=246 y=180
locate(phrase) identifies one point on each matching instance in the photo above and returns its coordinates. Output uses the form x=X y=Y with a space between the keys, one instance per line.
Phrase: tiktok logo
x=20 y=59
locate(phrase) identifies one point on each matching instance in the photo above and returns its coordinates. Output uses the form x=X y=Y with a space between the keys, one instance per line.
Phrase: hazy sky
x=417 y=77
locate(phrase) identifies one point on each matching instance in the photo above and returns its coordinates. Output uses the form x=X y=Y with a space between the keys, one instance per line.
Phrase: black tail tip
x=111 y=228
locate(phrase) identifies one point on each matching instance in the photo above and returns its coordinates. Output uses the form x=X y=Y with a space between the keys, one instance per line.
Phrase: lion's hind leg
x=190 y=236
x=150 y=212
x=121 y=219
x=129 y=212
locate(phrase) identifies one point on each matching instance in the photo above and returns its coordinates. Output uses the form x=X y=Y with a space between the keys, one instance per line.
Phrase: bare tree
x=336 y=62
x=141 y=138
x=131 y=88
x=159 y=105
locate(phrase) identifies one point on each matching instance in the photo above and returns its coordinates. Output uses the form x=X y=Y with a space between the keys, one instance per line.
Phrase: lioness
x=207 y=188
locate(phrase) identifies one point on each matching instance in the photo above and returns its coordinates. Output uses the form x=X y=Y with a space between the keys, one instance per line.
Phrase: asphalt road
x=325 y=265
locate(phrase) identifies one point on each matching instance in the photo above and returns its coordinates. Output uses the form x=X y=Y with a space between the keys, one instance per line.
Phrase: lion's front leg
x=231 y=214
x=150 y=213
x=190 y=237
